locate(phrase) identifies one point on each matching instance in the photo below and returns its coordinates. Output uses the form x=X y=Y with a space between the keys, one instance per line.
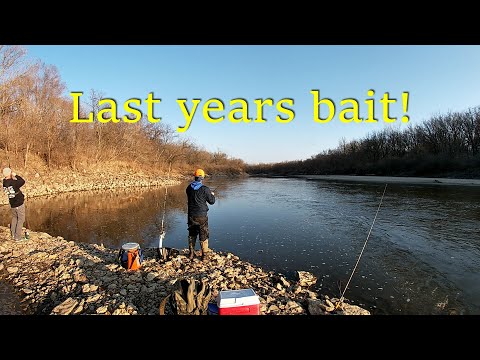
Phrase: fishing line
x=361 y=252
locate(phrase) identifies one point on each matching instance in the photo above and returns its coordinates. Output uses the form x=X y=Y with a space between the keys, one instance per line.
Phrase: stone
x=66 y=307
x=64 y=276
x=294 y=307
x=102 y=309
x=353 y=310
x=80 y=277
x=112 y=267
x=120 y=311
x=60 y=269
x=112 y=287
x=151 y=276
x=305 y=278
x=273 y=308
x=93 y=298
x=78 y=310
x=284 y=282
x=12 y=269
x=269 y=299
x=316 y=307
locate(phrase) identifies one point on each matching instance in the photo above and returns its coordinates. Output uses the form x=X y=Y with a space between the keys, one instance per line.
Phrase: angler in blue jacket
x=198 y=196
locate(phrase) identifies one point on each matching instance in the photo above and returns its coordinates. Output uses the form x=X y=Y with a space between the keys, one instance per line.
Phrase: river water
x=422 y=256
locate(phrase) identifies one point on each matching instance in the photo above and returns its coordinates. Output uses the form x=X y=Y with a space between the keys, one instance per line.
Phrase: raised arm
x=209 y=196
x=20 y=180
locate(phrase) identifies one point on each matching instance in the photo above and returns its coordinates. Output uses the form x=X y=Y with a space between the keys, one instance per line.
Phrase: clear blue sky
x=438 y=78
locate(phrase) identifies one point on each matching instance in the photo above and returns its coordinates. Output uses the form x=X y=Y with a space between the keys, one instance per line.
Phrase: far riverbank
x=393 y=180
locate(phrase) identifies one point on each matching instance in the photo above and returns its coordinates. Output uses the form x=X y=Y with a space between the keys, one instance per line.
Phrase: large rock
x=294 y=307
x=319 y=307
x=316 y=307
x=151 y=276
x=120 y=312
x=305 y=278
x=12 y=269
x=102 y=309
x=353 y=310
x=65 y=307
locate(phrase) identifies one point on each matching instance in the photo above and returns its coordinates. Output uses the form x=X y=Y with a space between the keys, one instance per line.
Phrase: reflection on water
x=111 y=217
x=422 y=257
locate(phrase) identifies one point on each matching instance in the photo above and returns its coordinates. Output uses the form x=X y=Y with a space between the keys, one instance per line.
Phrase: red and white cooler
x=238 y=302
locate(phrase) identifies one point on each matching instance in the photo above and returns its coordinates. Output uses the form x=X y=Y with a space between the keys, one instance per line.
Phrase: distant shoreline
x=394 y=180
x=384 y=179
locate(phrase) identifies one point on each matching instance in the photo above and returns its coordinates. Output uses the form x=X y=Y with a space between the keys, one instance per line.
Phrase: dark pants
x=198 y=225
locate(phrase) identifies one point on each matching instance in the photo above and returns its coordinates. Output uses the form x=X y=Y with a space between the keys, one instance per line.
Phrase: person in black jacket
x=11 y=186
x=198 y=196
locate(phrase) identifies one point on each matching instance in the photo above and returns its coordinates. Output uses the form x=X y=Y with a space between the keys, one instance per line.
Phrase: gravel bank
x=52 y=275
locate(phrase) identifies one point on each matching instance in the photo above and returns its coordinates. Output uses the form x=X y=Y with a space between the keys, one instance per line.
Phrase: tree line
x=444 y=145
x=35 y=115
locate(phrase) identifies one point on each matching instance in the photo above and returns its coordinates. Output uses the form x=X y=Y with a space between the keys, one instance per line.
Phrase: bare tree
x=94 y=98
x=13 y=68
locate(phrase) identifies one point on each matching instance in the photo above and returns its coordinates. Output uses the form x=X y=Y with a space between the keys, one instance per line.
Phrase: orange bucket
x=131 y=256
x=133 y=260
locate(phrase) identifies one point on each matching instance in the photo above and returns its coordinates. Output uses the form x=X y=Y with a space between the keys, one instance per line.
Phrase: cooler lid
x=233 y=298
x=130 y=246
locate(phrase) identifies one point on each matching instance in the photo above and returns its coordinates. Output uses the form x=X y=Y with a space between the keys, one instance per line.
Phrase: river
x=422 y=256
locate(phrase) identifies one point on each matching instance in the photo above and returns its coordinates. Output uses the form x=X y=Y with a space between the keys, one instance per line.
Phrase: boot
x=191 y=247
x=204 y=252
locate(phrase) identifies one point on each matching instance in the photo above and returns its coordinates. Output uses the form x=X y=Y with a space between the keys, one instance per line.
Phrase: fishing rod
x=162 y=231
x=339 y=303
x=27 y=227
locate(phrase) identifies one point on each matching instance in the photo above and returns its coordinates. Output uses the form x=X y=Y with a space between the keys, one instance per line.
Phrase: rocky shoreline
x=60 y=182
x=52 y=275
